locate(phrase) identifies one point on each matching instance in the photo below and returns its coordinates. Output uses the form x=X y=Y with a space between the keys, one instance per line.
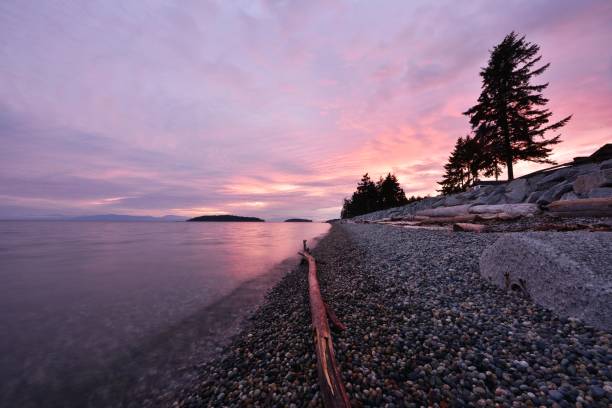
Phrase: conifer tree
x=390 y=193
x=370 y=196
x=510 y=118
x=463 y=166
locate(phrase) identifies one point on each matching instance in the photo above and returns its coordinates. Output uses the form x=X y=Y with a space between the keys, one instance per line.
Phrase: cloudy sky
x=265 y=108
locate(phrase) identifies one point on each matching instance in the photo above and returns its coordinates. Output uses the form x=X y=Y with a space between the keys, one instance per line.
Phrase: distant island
x=224 y=218
x=298 y=220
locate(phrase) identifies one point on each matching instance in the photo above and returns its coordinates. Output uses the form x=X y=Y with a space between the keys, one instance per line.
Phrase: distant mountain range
x=225 y=218
x=120 y=217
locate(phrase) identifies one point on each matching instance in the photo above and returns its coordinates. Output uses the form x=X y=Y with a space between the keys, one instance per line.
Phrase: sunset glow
x=265 y=108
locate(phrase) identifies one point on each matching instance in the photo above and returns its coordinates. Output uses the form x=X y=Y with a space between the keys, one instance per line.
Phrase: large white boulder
x=568 y=273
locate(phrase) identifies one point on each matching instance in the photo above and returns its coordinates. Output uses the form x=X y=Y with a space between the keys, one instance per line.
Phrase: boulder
x=606 y=164
x=439 y=203
x=555 y=177
x=453 y=200
x=516 y=191
x=493 y=198
x=586 y=168
x=607 y=176
x=523 y=209
x=565 y=272
x=534 y=196
x=555 y=193
x=569 y=196
x=445 y=211
x=587 y=182
x=601 y=192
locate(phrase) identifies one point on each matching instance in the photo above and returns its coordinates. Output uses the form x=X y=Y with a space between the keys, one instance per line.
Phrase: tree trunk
x=507 y=148
x=506 y=130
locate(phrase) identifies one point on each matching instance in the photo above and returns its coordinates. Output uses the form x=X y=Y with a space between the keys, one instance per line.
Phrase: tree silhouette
x=463 y=166
x=363 y=201
x=370 y=196
x=510 y=119
x=390 y=193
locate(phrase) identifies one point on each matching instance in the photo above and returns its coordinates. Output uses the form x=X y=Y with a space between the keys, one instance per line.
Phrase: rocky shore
x=580 y=180
x=424 y=329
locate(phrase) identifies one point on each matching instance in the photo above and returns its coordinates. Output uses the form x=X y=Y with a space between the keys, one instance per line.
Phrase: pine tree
x=390 y=193
x=363 y=201
x=370 y=196
x=463 y=166
x=366 y=195
x=510 y=118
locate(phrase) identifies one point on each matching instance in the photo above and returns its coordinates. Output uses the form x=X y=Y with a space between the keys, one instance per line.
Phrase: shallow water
x=106 y=314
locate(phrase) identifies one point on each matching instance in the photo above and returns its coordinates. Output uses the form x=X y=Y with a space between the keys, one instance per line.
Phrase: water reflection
x=77 y=298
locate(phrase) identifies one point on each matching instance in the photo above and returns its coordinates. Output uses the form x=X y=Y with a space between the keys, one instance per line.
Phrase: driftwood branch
x=333 y=318
x=330 y=380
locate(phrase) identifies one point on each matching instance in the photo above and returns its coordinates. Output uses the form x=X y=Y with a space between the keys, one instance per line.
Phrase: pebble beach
x=424 y=329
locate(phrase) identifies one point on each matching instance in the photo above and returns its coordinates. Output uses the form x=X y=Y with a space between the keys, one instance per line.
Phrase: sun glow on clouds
x=271 y=109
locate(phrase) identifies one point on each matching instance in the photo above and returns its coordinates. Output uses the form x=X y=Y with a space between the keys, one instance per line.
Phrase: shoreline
x=422 y=329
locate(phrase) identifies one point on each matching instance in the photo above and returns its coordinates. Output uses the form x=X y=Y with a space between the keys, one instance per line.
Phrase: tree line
x=508 y=122
x=373 y=196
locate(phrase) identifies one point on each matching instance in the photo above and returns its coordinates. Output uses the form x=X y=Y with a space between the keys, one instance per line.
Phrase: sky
x=265 y=108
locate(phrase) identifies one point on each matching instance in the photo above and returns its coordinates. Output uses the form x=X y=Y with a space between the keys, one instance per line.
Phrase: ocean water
x=114 y=313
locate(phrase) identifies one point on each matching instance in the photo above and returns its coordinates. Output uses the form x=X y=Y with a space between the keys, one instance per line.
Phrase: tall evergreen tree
x=510 y=118
x=366 y=195
x=363 y=200
x=370 y=196
x=390 y=193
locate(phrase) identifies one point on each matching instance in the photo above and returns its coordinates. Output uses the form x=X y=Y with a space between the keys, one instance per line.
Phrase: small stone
x=555 y=395
x=500 y=392
x=597 y=391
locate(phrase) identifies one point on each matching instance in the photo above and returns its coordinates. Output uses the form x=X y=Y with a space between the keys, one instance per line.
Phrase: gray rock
x=439 y=203
x=607 y=176
x=606 y=164
x=516 y=191
x=555 y=193
x=568 y=273
x=453 y=200
x=555 y=177
x=493 y=198
x=569 y=196
x=555 y=395
x=535 y=179
x=485 y=190
x=602 y=192
x=587 y=182
x=597 y=391
x=533 y=197
x=586 y=168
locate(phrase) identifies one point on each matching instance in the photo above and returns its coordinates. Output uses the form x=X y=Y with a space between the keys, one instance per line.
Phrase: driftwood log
x=331 y=386
x=593 y=207
x=469 y=227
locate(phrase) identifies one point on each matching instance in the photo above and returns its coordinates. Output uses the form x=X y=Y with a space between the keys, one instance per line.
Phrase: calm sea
x=110 y=313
